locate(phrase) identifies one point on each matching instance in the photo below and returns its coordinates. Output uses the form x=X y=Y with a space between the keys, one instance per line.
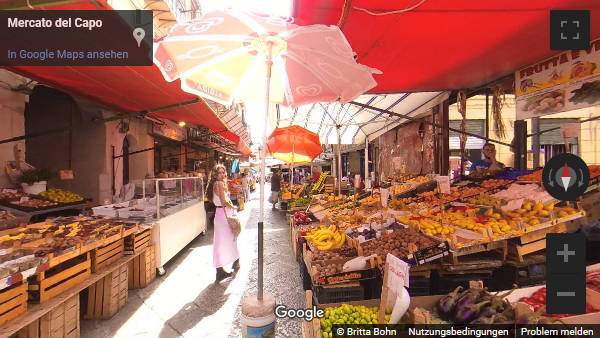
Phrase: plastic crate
x=327 y=295
x=419 y=286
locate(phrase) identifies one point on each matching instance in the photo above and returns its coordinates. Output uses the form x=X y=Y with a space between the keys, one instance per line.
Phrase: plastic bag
x=357 y=264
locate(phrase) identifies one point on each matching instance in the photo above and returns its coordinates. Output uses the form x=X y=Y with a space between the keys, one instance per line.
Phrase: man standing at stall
x=275 y=187
x=489 y=162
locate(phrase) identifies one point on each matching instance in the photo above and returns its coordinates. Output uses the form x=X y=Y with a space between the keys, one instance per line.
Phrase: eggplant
x=446 y=304
x=483 y=320
x=467 y=313
x=469 y=297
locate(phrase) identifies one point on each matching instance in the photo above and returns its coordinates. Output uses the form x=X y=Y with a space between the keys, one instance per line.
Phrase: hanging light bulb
x=181 y=124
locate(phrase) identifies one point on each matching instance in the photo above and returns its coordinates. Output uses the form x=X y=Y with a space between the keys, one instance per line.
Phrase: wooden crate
x=460 y=253
x=518 y=251
x=106 y=255
x=142 y=269
x=137 y=242
x=108 y=295
x=13 y=301
x=60 y=278
x=62 y=322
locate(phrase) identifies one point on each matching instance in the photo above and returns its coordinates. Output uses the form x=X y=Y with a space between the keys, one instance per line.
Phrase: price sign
x=397 y=274
x=512 y=205
x=570 y=130
x=443 y=184
x=66 y=174
x=357 y=181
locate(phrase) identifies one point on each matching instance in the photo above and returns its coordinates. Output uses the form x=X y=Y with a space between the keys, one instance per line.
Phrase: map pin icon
x=138 y=35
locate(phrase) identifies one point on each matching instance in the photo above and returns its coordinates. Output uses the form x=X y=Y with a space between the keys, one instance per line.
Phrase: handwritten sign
x=357 y=181
x=397 y=274
x=443 y=184
x=568 y=130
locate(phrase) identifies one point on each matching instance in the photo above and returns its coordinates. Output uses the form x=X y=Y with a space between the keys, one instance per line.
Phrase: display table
x=35 y=311
x=178 y=229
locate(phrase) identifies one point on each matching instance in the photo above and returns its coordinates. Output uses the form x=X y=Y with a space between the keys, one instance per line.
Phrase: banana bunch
x=327 y=238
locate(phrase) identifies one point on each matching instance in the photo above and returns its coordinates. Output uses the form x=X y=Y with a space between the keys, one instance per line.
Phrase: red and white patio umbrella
x=231 y=55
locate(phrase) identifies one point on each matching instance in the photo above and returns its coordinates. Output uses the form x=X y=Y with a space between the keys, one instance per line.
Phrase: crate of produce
x=108 y=295
x=13 y=301
x=61 y=322
x=339 y=293
x=59 y=278
x=142 y=269
x=459 y=253
x=138 y=241
x=106 y=255
x=313 y=329
x=328 y=272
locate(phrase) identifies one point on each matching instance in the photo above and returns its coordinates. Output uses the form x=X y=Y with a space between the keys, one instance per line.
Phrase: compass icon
x=566 y=177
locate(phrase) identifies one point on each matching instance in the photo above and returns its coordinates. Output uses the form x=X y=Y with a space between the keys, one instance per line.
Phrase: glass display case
x=178 y=209
x=174 y=194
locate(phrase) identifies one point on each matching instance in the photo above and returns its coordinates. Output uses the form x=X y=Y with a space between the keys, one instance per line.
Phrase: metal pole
x=259 y=286
x=535 y=141
x=366 y=159
x=339 y=164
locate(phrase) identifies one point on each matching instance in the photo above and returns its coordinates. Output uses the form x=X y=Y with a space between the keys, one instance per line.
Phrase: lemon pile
x=61 y=196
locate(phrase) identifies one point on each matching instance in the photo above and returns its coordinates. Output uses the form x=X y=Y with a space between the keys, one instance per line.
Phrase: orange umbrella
x=294 y=145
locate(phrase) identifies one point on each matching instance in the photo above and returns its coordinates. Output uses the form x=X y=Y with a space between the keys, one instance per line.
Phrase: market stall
x=174 y=205
x=474 y=229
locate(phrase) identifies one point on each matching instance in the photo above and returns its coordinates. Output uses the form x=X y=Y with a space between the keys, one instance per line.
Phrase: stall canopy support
x=421 y=120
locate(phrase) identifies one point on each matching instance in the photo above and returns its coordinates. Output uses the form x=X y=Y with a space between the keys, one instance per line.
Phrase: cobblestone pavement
x=185 y=302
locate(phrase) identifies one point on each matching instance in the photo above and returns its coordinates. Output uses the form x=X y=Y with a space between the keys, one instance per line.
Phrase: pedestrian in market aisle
x=245 y=186
x=275 y=187
x=225 y=249
x=489 y=162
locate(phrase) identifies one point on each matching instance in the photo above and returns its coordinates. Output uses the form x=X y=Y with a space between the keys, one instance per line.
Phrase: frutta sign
x=567 y=81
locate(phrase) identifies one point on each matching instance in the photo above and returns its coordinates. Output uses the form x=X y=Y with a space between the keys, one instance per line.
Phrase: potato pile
x=397 y=243
x=340 y=253
x=327 y=269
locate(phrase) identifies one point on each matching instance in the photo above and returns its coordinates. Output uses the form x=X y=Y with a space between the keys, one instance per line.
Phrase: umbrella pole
x=339 y=162
x=261 y=217
x=292 y=169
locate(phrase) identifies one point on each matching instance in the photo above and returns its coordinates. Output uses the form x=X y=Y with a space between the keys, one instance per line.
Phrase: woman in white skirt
x=225 y=249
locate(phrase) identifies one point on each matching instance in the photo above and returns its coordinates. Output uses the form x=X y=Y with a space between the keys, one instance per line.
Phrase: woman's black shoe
x=236 y=265
x=221 y=274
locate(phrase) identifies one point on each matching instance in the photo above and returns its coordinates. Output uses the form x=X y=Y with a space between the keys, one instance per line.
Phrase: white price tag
x=397 y=274
x=357 y=181
x=512 y=205
x=24 y=199
x=443 y=184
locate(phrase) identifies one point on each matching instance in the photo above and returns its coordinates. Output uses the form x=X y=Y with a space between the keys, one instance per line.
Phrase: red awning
x=128 y=89
x=444 y=45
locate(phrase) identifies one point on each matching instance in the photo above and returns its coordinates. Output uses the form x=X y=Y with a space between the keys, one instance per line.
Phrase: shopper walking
x=245 y=186
x=275 y=187
x=225 y=249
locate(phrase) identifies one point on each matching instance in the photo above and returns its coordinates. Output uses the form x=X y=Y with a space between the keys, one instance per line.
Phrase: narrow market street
x=185 y=302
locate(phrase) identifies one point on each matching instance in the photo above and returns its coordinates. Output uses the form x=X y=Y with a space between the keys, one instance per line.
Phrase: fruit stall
x=490 y=228
x=51 y=269
x=49 y=202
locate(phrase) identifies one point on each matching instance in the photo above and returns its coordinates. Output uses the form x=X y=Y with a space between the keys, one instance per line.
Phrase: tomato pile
x=538 y=299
